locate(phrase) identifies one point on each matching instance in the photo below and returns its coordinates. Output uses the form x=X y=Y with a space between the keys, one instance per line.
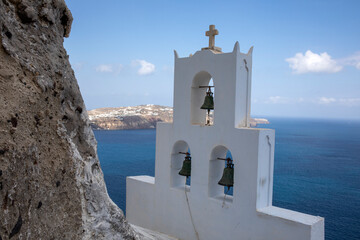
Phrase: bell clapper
x=208 y=118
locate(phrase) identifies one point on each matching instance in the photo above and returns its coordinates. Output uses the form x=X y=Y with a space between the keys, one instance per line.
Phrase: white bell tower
x=231 y=74
x=201 y=210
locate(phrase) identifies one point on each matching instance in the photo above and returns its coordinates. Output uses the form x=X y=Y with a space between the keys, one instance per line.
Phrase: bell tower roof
x=231 y=75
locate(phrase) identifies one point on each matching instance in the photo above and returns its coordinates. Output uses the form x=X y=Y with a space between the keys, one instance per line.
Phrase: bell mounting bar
x=187 y=153
x=206 y=86
x=226 y=159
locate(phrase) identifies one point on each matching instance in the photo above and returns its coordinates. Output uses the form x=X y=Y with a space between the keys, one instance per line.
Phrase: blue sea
x=317 y=168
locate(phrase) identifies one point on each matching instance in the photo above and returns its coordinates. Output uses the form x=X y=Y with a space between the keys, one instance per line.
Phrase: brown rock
x=52 y=186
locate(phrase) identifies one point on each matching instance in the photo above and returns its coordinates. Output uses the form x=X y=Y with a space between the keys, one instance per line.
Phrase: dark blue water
x=317 y=168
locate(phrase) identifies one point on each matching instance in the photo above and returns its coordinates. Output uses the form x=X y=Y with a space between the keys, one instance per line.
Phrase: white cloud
x=104 y=68
x=340 y=101
x=277 y=99
x=145 y=67
x=313 y=62
x=109 y=68
x=353 y=60
x=118 y=68
x=350 y=101
x=326 y=100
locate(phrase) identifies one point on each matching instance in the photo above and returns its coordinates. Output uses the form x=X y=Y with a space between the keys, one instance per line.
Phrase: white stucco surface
x=201 y=210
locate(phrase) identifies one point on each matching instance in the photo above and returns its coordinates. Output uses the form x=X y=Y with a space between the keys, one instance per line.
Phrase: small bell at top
x=186 y=167
x=209 y=101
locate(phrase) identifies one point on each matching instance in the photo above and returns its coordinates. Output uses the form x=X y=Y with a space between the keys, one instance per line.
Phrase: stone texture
x=51 y=183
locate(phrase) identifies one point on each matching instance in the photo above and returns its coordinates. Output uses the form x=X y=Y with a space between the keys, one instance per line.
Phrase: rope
x=191 y=218
x=223 y=204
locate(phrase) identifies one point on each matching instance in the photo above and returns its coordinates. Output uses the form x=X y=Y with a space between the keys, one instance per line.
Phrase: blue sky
x=306 y=59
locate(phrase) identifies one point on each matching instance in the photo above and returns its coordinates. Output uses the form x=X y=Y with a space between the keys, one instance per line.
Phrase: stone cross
x=211 y=34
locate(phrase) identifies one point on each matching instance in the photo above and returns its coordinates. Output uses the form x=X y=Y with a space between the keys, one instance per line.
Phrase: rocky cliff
x=51 y=183
x=138 y=117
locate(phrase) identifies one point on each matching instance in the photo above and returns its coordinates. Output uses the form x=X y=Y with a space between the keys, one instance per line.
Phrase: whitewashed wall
x=199 y=211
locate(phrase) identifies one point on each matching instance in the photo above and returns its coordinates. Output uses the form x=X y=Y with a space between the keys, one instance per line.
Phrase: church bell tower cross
x=211 y=34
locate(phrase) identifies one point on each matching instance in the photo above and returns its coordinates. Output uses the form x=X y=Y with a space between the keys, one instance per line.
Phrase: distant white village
x=138 y=117
x=141 y=110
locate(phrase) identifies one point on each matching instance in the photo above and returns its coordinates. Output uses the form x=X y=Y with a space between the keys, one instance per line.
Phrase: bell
x=227 y=178
x=186 y=167
x=208 y=102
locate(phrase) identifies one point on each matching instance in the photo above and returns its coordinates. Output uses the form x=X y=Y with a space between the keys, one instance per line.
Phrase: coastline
x=138 y=117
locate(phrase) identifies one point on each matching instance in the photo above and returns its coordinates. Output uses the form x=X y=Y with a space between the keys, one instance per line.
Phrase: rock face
x=51 y=183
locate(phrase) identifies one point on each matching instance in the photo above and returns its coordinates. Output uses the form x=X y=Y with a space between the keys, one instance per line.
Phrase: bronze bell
x=227 y=178
x=186 y=167
x=209 y=101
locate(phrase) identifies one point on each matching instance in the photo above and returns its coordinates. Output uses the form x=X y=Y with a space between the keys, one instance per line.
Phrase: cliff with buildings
x=137 y=117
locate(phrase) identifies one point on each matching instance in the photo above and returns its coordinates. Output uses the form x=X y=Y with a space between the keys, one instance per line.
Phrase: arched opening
x=179 y=153
x=200 y=86
x=219 y=161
